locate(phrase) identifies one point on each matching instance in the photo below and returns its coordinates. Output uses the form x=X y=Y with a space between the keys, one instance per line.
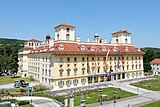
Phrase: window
x=127 y=57
x=104 y=58
x=135 y=58
x=75 y=72
x=42 y=71
x=61 y=66
x=49 y=72
x=75 y=59
x=75 y=65
x=57 y=36
x=127 y=67
x=92 y=58
x=132 y=58
x=98 y=70
x=114 y=58
x=83 y=59
x=68 y=73
x=122 y=58
x=68 y=59
x=67 y=37
x=61 y=74
x=98 y=58
x=68 y=65
x=61 y=60
x=139 y=66
x=117 y=41
x=46 y=72
x=67 y=29
x=139 y=58
x=46 y=59
x=110 y=58
x=126 y=41
x=82 y=71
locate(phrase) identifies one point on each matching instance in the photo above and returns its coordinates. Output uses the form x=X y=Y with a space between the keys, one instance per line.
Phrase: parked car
x=17 y=84
x=23 y=83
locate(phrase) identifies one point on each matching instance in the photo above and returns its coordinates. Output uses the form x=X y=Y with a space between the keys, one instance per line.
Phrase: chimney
x=87 y=39
x=96 y=38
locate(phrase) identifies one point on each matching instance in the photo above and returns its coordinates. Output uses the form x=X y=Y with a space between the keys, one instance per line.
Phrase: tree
x=147 y=67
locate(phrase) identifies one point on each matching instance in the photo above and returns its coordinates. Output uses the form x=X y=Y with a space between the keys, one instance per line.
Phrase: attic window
x=82 y=47
x=114 y=49
x=67 y=29
x=126 y=48
x=92 y=48
x=61 y=47
x=103 y=49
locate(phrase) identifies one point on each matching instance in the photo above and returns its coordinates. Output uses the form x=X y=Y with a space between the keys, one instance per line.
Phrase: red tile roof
x=75 y=48
x=121 y=31
x=156 y=61
x=34 y=40
x=27 y=48
x=65 y=24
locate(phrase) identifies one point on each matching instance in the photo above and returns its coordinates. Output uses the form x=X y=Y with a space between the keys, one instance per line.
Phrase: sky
x=27 y=19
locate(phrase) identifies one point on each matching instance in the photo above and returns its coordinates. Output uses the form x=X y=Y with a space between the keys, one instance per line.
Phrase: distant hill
x=11 y=41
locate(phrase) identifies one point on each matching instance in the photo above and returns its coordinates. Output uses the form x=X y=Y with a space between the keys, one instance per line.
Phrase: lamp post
x=114 y=102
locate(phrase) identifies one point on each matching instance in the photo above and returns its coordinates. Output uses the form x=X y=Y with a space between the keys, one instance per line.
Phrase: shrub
x=31 y=78
x=23 y=102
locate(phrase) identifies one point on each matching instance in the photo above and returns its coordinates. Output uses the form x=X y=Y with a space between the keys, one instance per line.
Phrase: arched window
x=57 y=36
x=117 y=41
x=126 y=41
x=67 y=37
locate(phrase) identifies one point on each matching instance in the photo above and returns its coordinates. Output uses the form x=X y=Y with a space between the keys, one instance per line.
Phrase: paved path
x=39 y=101
x=7 y=86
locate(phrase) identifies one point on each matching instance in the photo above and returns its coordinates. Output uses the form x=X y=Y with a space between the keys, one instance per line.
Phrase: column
x=98 y=79
x=92 y=80
x=121 y=76
x=116 y=76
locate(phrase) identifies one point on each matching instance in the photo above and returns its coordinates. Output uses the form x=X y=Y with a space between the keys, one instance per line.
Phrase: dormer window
x=92 y=48
x=61 y=47
x=126 y=49
x=103 y=49
x=82 y=48
x=67 y=29
x=114 y=49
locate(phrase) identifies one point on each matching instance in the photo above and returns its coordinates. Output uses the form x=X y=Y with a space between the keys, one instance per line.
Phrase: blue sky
x=26 y=19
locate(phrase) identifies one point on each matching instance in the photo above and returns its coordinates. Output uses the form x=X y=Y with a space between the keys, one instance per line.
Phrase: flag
x=118 y=59
x=107 y=58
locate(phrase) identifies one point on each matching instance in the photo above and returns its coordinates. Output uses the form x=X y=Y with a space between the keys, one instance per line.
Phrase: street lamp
x=114 y=102
x=100 y=90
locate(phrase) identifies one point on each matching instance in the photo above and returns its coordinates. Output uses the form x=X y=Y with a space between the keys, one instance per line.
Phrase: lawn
x=149 y=84
x=11 y=79
x=154 y=104
x=18 y=91
x=94 y=95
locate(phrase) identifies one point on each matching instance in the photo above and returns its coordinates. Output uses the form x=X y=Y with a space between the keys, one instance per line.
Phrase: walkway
x=39 y=101
x=7 y=86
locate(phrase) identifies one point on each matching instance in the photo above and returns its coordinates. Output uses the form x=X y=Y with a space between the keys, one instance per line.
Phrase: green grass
x=11 y=79
x=17 y=91
x=154 y=104
x=149 y=84
x=94 y=96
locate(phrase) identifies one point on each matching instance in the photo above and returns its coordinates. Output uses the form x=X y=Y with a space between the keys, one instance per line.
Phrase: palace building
x=67 y=62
